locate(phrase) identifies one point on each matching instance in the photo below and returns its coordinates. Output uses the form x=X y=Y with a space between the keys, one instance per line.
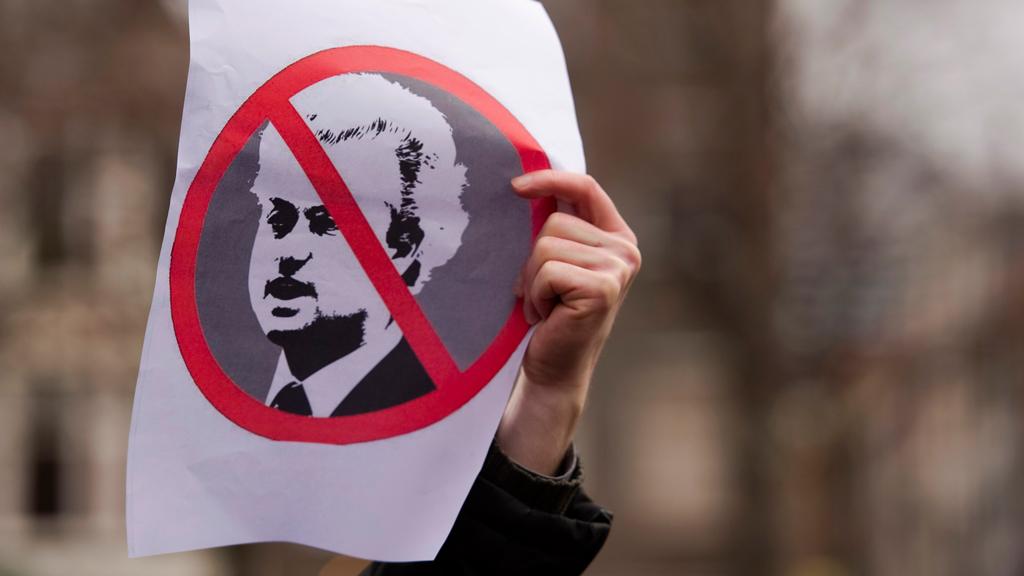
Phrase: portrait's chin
x=285 y=317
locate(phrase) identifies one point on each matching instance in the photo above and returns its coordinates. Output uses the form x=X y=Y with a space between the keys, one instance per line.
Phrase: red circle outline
x=454 y=387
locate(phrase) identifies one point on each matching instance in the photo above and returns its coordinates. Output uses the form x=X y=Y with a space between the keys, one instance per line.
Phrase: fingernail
x=524 y=181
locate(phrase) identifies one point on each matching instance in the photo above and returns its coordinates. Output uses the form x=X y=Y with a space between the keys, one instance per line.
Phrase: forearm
x=538 y=425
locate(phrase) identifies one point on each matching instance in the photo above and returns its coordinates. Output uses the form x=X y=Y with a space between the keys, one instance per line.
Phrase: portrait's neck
x=321 y=343
x=327 y=341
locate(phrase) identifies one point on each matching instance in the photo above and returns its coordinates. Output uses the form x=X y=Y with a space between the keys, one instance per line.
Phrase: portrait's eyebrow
x=283 y=217
x=320 y=221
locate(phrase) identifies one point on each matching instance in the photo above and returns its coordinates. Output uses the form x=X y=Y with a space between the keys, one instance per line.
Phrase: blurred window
x=61 y=219
x=46 y=468
x=48 y=200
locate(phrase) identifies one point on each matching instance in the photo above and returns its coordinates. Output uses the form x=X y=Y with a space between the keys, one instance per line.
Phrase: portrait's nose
x=288 y=266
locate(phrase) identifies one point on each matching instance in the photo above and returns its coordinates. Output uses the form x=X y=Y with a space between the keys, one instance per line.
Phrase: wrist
x=539 y=424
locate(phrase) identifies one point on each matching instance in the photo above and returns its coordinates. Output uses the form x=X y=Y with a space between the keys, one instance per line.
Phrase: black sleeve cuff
x=544 y=493
x=517 y=522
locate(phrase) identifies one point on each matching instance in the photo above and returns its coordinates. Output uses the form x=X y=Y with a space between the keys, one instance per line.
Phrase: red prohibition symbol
x=271 y=102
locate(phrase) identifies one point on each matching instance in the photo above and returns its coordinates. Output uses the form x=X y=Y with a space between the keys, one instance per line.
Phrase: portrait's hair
x=427 y=216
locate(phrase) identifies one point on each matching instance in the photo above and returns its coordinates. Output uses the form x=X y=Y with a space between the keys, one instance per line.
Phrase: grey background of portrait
x=467 y=300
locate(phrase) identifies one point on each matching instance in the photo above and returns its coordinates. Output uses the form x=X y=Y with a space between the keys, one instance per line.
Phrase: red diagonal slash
x=272 y=102
x=374 y=259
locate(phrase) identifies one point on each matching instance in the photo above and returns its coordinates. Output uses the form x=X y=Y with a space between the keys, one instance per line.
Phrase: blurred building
x=899 y=228
x=90 y=92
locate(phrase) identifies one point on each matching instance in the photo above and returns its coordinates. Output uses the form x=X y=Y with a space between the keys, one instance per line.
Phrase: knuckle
x=624 y=273
x=632 y=238
x=608 y=288
x=545 y=246
x=634 y=258
x=629 y=237
x=547 y=269
x=556 y=224
x=559 y=219
x=592 y=184
x=547 y=276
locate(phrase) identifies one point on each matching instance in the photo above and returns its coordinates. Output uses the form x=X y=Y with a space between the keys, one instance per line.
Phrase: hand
x=572 y=287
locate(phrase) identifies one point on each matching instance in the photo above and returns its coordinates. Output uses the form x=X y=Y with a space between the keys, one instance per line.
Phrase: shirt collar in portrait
x=330 y=385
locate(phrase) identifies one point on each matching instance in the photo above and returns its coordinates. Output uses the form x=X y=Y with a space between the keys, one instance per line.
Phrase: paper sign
x=334 y=334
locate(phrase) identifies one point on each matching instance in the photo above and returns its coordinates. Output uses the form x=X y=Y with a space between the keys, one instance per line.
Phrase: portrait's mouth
x=284 y=288
x=282 y=312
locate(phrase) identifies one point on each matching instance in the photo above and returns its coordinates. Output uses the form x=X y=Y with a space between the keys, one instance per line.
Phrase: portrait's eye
x=283 y=217
x=320 y=221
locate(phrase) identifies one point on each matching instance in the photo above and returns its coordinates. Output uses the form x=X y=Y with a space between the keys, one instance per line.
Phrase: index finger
x=590 y=201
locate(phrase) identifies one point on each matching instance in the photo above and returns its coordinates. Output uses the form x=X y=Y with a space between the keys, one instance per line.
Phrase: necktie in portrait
x=292 y=398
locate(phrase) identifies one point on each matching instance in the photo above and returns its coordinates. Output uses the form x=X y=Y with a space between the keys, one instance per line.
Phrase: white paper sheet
x=199 y=477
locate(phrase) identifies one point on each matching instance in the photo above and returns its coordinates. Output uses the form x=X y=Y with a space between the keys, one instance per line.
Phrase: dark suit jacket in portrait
x=397 y=379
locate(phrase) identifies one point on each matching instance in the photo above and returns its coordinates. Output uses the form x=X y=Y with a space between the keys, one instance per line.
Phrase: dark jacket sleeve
x=517 y=522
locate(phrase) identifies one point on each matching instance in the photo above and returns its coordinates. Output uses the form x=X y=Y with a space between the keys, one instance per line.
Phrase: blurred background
x=818 y=372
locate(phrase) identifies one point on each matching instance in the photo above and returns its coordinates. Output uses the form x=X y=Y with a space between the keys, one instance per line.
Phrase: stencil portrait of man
x=341 y=351
x=289 y=314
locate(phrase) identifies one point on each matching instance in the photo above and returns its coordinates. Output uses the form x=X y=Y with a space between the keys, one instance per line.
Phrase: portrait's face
x=302 y=270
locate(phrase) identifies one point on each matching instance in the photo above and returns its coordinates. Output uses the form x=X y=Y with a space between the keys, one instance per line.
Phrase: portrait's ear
x=409 y=267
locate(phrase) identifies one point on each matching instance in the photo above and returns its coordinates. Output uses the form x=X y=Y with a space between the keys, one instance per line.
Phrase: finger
x=562 y=225
x=550 y=248
x=575 y=228
x=579 y=289
x=581 y=191
x=569 y=239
